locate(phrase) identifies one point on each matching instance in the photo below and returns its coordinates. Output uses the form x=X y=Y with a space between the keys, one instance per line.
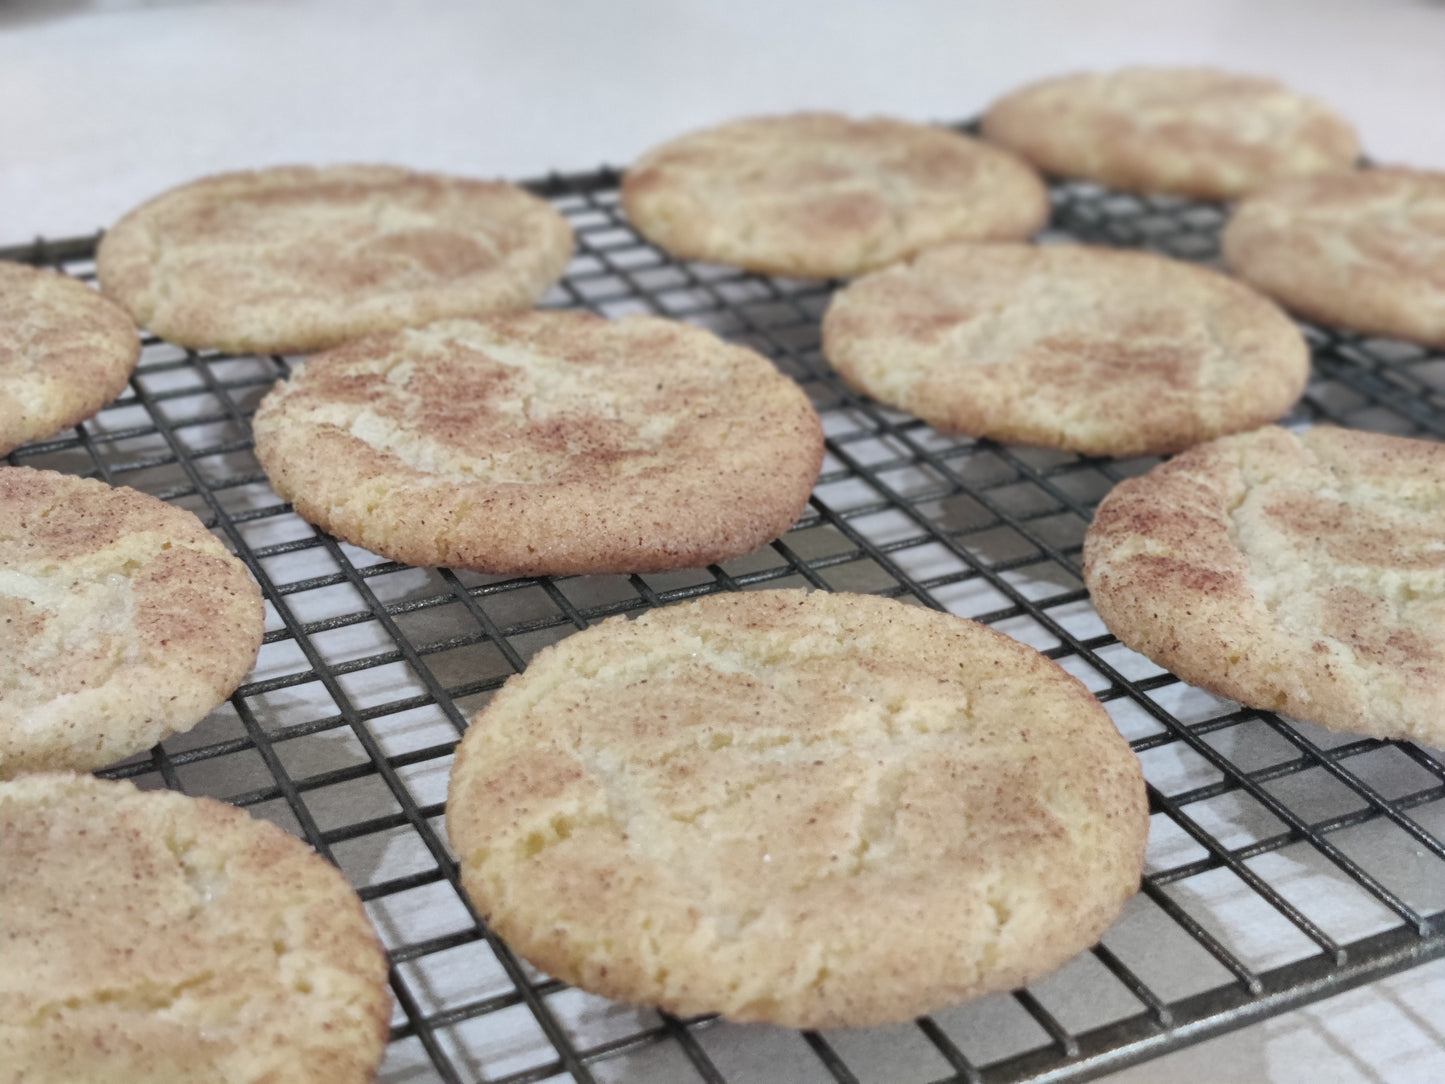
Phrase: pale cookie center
x=1400 y=235
x=379 y=243
x=1251 y=118
x=198 y=922
x=716 y=762
x=792 y=188
x=37 y=355
x=1070 y=336
x=770 y=177
x=72 y=632
x=1044 y=316
x=1349 y=565
x=538 y=420
x=252 y=221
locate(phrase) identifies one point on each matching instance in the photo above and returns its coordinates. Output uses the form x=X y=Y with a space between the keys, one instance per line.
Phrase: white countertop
x=106 y=103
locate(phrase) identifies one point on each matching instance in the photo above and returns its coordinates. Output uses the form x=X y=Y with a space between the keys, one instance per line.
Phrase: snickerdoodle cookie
x=65 y=352
x=1189 y=131
x=548 y=442
x=1300 y=573
x=1362 y=250
x=296 y=258
x=811 y=810
x=1093 y=350
x=125 y=621
x=822 y=195
x=152 y=936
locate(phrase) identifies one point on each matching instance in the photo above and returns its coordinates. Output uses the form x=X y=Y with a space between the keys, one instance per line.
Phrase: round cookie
x=547 y=442
x=822 y=195
x=152 y=936
x=295 y=258
x=1092 y=350
x=1363 y=250
x=1301 y=574
x=65 y=352
x=125 y=621
x=808 y=810
x=1187 y=131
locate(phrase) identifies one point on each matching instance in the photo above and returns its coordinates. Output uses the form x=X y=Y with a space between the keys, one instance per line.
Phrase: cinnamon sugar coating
x=547 y=442
x=1088 y=349
x=65 y=352
x=152 y=936
x=1303 y=573
x=813 y=810
x=296 y=258
x=1359 y=250
x=822 y=195
x=1189 y=131
x=125 y=621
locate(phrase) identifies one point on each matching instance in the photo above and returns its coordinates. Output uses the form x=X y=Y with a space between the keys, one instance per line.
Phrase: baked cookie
x=1093 y=350
x=295 y=259
x=151 y=936
x=125 y=621
x=809 y=810
x=65 y=352
x=547 y=442
x=1188 y=131
x=1302 y=574
x=1363 y=250
x=822 y=195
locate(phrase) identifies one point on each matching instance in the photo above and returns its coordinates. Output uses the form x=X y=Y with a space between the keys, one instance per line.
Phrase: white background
x=104 y=104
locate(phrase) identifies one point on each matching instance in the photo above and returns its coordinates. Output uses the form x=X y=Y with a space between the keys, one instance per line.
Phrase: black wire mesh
x=1285 y=862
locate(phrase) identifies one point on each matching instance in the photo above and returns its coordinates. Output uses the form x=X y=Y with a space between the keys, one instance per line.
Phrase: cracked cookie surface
x=810 y=810
x=548 y=442
x=124 y=621
x=295 y=258
x=1088 y=349
x=823 y=195
x=1360 y=250
x=1189 y=131
x=152 y=936
x=65 y=352
x=1301 y=574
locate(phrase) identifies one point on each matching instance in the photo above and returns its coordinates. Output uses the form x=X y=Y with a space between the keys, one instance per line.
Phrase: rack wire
x=1285 y=863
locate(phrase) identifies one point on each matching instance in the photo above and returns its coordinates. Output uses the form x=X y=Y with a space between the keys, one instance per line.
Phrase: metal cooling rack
x=1285 y=863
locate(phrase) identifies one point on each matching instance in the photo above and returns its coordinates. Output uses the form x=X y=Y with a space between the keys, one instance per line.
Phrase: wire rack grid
x=1285 y=863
